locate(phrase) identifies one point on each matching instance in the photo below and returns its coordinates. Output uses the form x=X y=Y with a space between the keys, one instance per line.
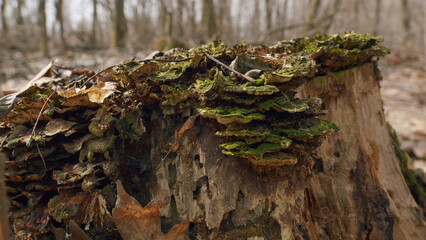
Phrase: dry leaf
x=135 y=222
x=189 y=123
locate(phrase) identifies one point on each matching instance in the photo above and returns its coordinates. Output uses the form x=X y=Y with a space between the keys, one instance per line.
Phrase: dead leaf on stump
x=135 y=222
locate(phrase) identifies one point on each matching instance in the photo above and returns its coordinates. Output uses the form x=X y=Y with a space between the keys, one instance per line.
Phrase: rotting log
x=208 y=153
x=358 y=168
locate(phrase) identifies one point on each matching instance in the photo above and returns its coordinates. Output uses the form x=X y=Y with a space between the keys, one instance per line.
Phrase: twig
x=166 y=60
x=39 y=114
x=97 y=74
x=311 y=25
x=230 y=69
x=42 y=159
x=189 y=123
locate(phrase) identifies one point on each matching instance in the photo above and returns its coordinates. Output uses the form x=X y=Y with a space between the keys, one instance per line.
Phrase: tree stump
x=211 y=143
x=352 y=188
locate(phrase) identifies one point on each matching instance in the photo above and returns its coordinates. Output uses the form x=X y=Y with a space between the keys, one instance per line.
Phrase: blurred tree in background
x=143 y=25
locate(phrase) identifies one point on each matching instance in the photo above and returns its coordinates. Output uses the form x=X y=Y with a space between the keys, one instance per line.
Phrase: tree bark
x=209 y=21
x=359 y=178
x=268 y=16
x=120 y=26
x=311 y=14
x=60 y=18
x=351 y=188
x=43 y=38
x=377 y=14
x=408 y=35
x=19 y=17
x=4 y=24
x=94 y=23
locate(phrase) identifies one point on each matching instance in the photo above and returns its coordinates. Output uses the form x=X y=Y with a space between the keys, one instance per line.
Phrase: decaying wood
x=4 y=203
x=351 y=189
x=357 y=190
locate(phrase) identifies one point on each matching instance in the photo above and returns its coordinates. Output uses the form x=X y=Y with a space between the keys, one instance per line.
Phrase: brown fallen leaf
x=135 y=222
x=189 y=123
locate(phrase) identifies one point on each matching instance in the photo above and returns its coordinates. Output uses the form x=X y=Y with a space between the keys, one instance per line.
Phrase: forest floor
x=403 y=89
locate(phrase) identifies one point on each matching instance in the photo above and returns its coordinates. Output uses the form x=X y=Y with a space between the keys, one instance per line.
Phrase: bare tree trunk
x=60 y=18
x=19 y=18
x=180 y=21
x=43 y=38
x=408 y=35
x=163 y=17
x=94 y=23
x=255 y=20
x=284 y=18
x=330 y=14
x=4 y=26
x=424 y=34
x=209 y=21
x=223 y=20
x=311 y=14
x=377 y=16
x=268 y=8
x=192 y=27
x=120 y=26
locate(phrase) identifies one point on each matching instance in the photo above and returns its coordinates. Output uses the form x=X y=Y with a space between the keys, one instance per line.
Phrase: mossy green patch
x=310 y=128
x=227 y=115
x=252 y=90
x=283 y=104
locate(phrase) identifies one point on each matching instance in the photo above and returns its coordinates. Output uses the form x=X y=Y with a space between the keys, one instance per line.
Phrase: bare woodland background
x=99 y=33
x=49 y=26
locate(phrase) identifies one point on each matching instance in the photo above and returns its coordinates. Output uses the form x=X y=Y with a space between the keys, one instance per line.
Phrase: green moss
x=252 y=90
x=244 y=133
x=310 y=128
x=217 y=49
x=240 y=148
x=283 y=104
x=293 y=68
x=264 y=154
x=131 y=126
x=214 y=82
x=414 y=183
x=97 y=146
x=238 y=99
x=227 y=115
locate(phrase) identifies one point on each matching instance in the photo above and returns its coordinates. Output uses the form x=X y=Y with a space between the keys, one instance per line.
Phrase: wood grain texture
x=360 y=192
x=351 y=188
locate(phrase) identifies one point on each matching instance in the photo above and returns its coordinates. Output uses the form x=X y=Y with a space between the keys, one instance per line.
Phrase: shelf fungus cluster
x=62 y=133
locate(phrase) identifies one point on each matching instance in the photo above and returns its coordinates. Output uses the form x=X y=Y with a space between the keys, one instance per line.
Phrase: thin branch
x=165 y=60
x=97 y=74
x=311 y=25
x=189 y=123
x=42 y=159
x=230 y=69
x=39 y=114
